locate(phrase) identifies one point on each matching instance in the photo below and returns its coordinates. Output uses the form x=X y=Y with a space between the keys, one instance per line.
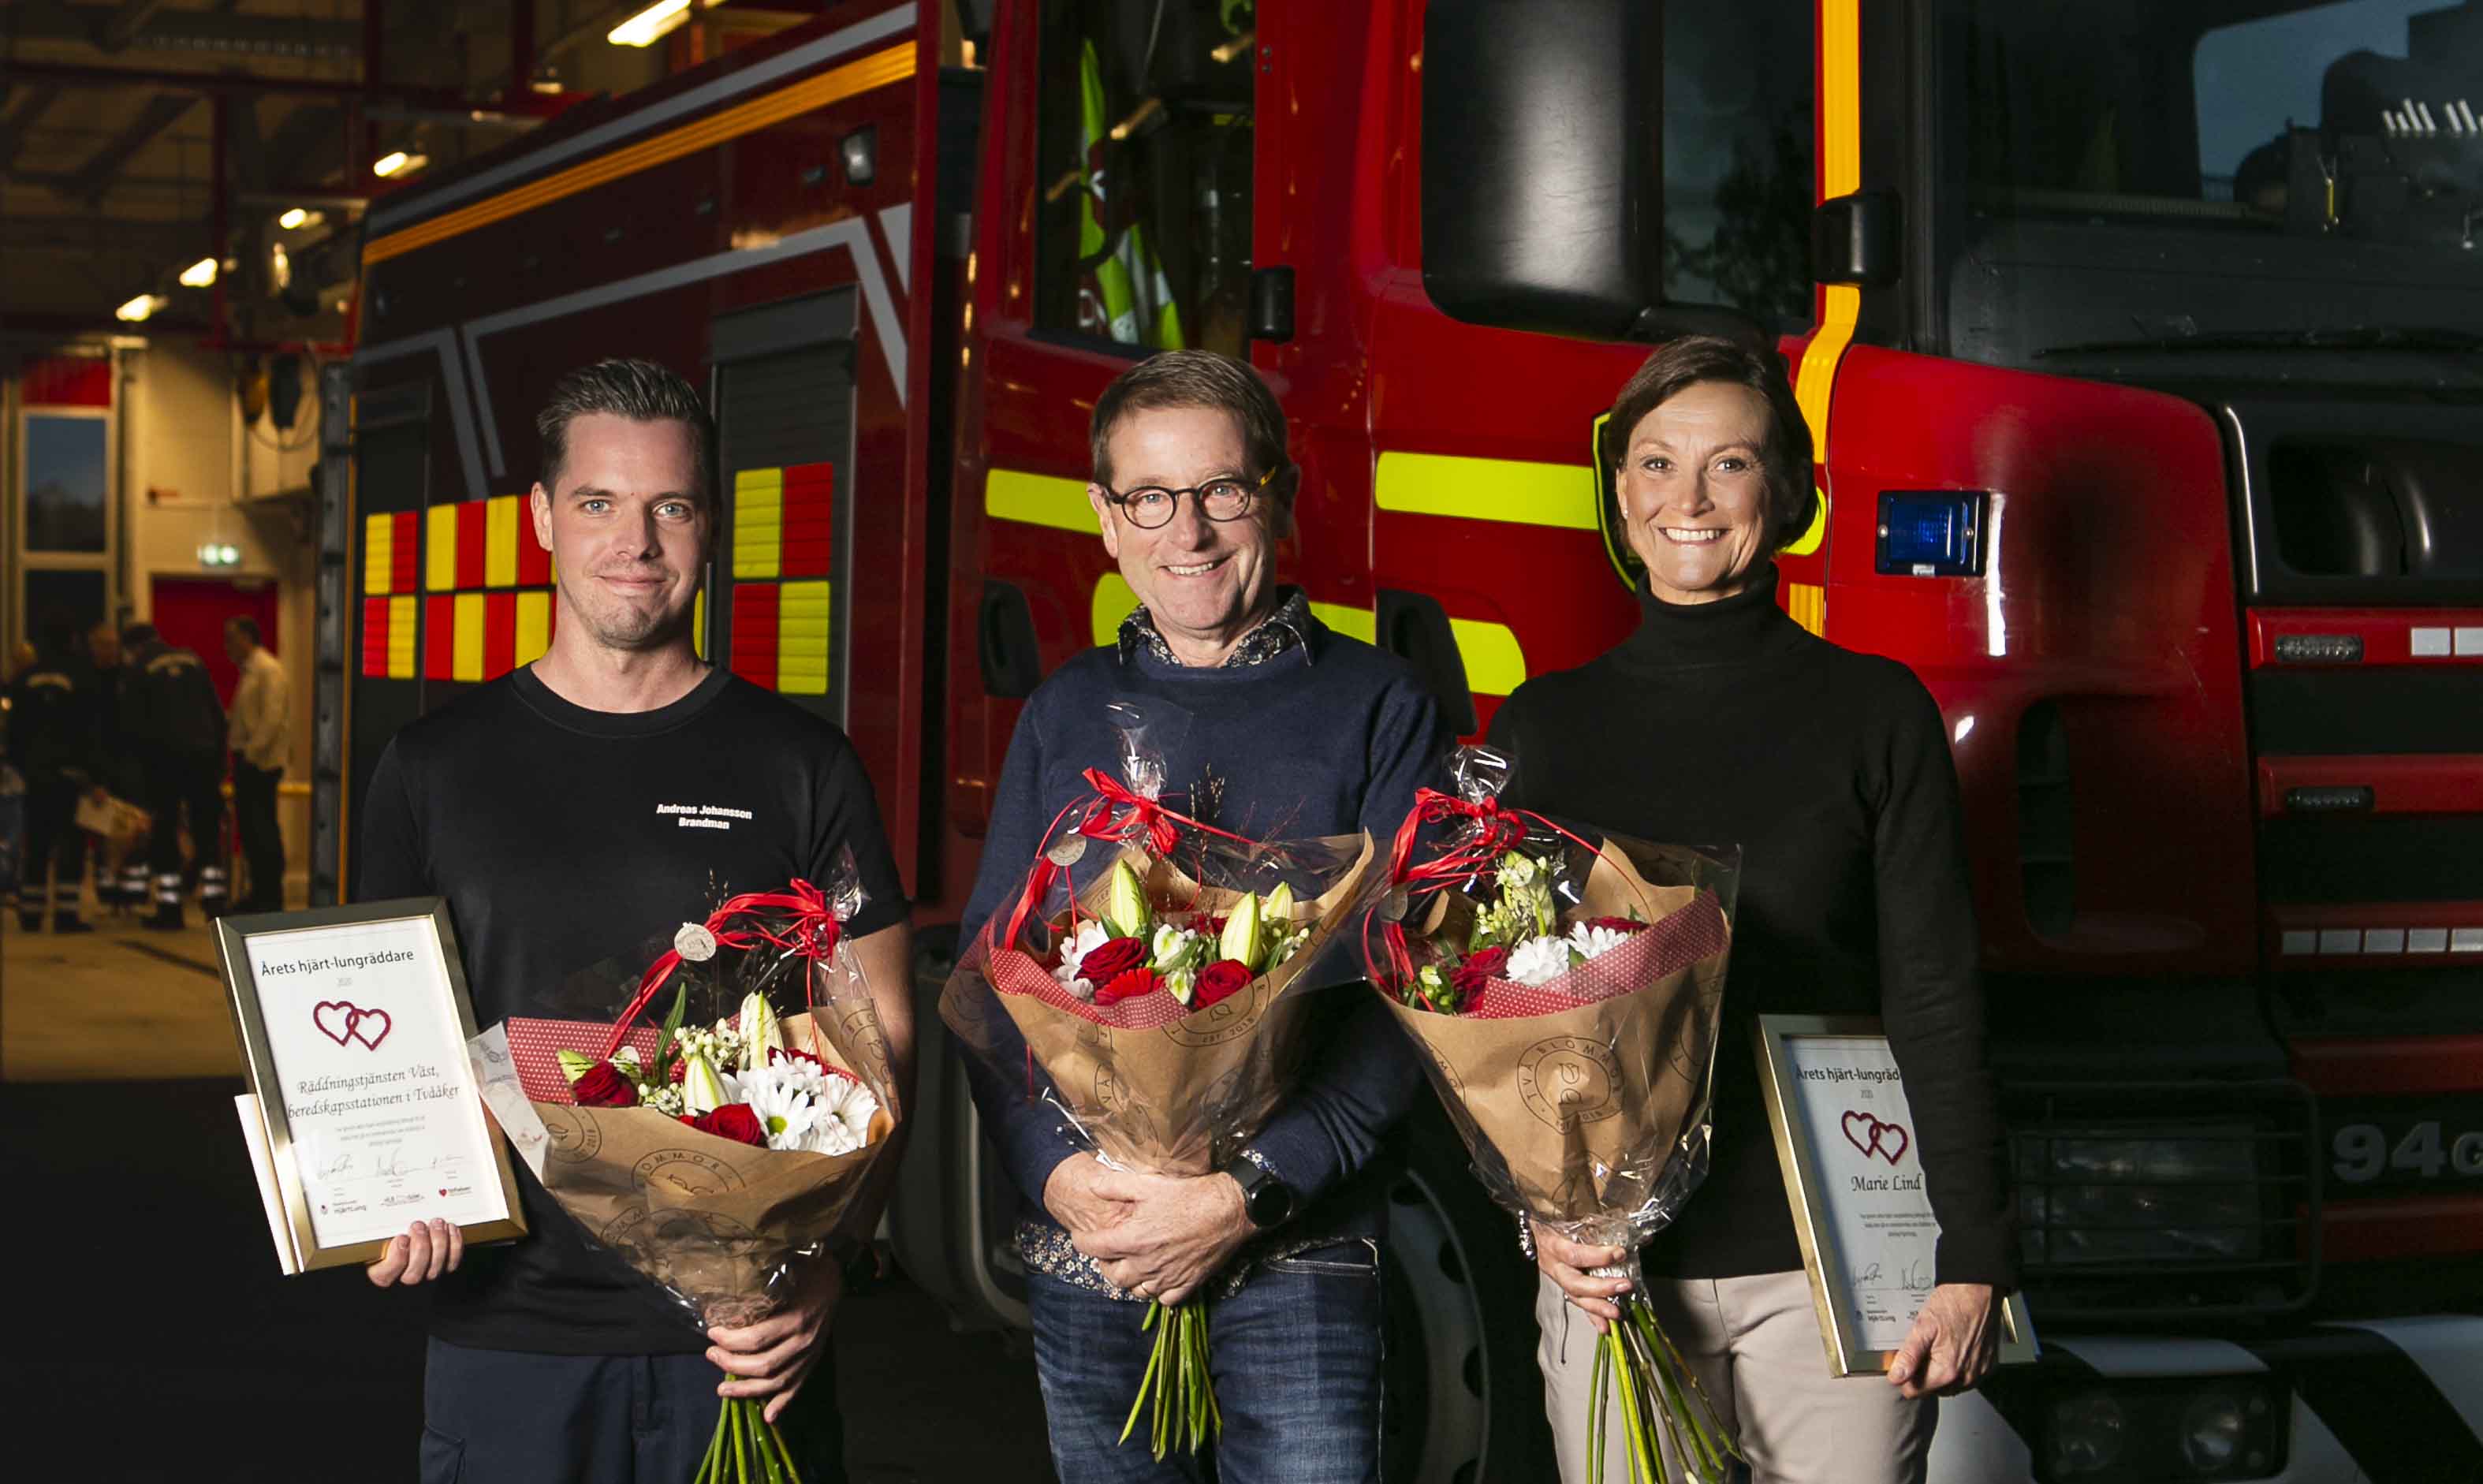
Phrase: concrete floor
x=155 y=1339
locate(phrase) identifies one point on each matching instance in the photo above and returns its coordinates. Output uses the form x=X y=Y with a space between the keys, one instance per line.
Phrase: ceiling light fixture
x=137 y=308
x=198 y=274
x=648 y=25
x=293 y=219
x=397 y=162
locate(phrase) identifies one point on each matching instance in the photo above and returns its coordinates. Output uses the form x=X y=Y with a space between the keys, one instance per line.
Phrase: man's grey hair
x=639 y=390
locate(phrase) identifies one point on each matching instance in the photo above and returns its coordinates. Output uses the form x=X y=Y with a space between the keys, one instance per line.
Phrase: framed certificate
x=1844 y=1139
x=364 y=1115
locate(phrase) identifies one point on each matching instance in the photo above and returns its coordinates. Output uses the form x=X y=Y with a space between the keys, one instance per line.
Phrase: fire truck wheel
x=1464 y=1402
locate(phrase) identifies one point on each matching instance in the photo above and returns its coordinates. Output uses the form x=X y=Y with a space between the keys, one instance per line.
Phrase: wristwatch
x=1265 y=1199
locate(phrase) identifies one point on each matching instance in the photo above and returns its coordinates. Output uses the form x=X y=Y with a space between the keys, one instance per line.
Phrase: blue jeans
x=1296 y=1366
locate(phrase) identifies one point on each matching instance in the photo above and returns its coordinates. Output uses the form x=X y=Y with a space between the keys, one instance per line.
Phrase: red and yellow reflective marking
x=876 y=70
x=784 y=527
x=457 y=631
x=1840 y=305
x=1039 y=499
x=1516 y=491
x=780 y=635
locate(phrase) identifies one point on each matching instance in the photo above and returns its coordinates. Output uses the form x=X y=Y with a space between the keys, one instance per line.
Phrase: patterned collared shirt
x=1280 y=631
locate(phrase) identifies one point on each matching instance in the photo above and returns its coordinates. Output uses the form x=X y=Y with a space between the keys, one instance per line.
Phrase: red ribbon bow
x=796 y=919
x=1496 y=829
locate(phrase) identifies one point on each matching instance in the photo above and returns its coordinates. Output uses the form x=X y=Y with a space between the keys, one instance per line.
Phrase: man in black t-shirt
x=547 y=806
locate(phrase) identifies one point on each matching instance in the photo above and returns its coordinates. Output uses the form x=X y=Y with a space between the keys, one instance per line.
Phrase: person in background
x=1721 y=720
x=262 y=720
x=120 y=868
x=52 y=742
x=174 y=722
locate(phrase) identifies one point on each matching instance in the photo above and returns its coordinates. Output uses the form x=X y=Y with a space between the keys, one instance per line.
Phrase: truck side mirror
x=1542 y=160
x=1543 y=170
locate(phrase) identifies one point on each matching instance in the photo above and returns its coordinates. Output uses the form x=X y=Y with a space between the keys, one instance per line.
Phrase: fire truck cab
x=2140 y=346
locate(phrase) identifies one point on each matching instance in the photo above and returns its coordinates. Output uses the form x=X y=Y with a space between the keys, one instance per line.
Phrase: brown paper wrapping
x=1576 y=1114
x=713 y=1219
x=1177 y=1098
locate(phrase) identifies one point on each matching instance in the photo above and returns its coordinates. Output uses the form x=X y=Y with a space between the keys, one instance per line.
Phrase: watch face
x=1271 y=1203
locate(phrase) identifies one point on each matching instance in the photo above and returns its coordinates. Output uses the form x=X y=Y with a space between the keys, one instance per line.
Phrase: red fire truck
x=2139 y=343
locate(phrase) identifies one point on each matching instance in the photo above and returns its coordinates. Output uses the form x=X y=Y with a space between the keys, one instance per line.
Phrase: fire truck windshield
x=2354 y=124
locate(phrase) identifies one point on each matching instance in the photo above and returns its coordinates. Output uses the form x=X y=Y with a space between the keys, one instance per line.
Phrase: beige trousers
x=1754 y=1344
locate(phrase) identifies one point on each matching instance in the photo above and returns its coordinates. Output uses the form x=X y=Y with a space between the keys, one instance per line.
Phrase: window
x=1737 y=157
x=65 y=483
x=1143 y=154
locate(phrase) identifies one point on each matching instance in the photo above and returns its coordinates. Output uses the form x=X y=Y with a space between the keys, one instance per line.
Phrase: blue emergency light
x=1931 y=533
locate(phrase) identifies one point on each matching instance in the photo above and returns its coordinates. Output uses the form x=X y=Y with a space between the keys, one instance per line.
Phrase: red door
x=190 y=613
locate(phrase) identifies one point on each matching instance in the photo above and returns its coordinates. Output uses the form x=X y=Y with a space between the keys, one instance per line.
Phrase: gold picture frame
x=304 y=966
x=1857 y=1309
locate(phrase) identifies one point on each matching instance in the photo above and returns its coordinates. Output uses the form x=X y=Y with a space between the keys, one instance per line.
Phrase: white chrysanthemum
x=1090 y=936
x=842 y=1124
x=1595 y=942
x=1537 y=960
x=1292 y=944
x=784 y=1095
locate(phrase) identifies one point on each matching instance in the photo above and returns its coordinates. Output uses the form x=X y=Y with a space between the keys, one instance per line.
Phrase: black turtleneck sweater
x=1727 y=722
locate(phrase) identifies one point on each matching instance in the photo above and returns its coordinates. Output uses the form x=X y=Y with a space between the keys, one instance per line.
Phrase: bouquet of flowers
x=1567 y=996
x=1156 y=969
x=719 y=1149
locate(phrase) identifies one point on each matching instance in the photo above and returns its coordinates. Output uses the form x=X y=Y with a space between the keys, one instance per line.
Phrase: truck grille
x=2139 y=1201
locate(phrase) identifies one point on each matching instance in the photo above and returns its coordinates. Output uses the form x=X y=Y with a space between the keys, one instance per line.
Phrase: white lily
x=703 y=1091
x=762 y=1034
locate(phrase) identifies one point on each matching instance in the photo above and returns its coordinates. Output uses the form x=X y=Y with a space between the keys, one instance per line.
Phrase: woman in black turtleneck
x=1722 y=721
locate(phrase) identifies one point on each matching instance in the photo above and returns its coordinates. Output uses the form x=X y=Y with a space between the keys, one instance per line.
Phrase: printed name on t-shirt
x=702 y=817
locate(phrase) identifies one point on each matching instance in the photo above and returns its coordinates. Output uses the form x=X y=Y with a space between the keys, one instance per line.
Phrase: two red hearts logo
x=1871 y=1136
x=344 y=1022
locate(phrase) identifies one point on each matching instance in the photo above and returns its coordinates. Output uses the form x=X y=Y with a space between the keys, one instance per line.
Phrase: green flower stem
x=1178 y=1390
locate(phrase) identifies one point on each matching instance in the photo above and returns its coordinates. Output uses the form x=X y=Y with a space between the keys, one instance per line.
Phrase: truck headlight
x=2161 y=1429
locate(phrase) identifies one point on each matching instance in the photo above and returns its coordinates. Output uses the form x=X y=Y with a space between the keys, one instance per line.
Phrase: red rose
x=1469 y=978
x=734 y=1121
x=1110 y=958
x=604 y=1087
x=1220 y=980
x=1617 y=924
x=1129 y=984
x=1210 y=928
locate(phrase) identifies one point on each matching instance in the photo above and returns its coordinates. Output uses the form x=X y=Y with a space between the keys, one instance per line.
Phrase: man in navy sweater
x=1272 y=725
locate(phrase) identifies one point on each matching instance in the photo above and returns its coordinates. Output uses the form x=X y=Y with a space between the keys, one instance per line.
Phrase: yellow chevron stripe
x=534 y=624
x=465 y=656
x=802 y=620
x=439 y=548
x=401 y=636
x=1040 y=499
x=1509 y=489
x=500 y=542
x=379 y=547
x=1806 y=605
x=876 y=70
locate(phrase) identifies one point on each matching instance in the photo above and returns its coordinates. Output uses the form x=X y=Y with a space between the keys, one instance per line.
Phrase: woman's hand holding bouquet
x=1566 y=995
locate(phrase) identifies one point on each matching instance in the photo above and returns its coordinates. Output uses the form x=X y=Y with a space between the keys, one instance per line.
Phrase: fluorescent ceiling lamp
x=137 y=308
x=293 y=219
x=199 y=274
x=648 y=25
x=397 y=162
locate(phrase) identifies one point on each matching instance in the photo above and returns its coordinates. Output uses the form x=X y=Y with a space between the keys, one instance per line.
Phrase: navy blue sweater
x=1328 y=737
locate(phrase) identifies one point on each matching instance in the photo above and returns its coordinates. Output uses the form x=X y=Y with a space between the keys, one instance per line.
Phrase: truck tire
x=1463 y=1399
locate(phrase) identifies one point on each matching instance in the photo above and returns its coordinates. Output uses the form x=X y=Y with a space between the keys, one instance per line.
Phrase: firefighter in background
x=174 y=722
x=120 y=866
x=53 y=742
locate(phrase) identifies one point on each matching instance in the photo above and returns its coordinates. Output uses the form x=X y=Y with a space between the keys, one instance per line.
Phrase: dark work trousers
x=54 y=843
x=262 y=843
x=179 y=784
x=509 y=1417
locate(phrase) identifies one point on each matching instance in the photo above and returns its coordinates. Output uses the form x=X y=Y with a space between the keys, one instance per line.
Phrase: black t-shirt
x=563 y=838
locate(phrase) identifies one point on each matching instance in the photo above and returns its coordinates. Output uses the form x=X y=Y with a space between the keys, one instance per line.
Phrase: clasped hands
x=1951 y=1347
x=1159 y=1237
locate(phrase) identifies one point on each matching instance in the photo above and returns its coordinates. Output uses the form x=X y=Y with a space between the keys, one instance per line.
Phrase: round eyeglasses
x=1151 y=506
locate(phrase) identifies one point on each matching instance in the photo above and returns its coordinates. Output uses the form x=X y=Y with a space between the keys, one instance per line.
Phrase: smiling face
x=1695 y=493
x=1205 y=582
x=627 y=530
